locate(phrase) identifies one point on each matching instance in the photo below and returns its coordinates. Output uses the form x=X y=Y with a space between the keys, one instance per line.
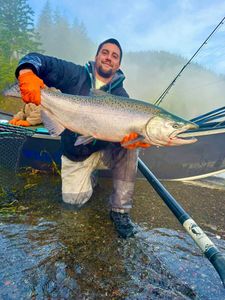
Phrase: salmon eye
x=176 y=126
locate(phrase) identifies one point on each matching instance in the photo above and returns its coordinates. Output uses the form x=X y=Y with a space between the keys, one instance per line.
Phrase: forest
x=51 y=35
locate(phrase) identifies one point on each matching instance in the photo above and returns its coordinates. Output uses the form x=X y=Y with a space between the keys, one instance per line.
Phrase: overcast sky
x=177 y=26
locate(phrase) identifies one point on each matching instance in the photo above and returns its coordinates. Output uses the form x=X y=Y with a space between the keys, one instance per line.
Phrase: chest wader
x=77 y=177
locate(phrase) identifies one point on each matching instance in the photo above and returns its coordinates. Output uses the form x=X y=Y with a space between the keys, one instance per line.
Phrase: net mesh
x=12 y=139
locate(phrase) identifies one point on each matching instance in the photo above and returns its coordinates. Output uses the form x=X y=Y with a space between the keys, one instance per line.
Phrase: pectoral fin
x=130 y=142
x=83 y=140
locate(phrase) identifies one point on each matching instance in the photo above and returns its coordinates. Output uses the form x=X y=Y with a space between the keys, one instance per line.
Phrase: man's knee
x=125 y=165
x=77 y=199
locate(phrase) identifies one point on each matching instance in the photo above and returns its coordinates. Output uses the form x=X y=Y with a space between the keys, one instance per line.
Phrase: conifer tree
x=62 y=38
x=17 y=36
x=45 y=27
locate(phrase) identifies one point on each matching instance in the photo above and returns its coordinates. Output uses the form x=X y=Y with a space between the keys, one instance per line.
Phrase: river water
x=50 y=252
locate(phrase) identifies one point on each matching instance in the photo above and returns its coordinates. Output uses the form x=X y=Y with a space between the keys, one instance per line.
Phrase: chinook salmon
x=108 y=117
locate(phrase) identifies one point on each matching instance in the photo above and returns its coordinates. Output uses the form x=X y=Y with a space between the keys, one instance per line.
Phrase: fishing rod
x=161 y=97
x=214 y=114
x=211 y=118
x=201 y=239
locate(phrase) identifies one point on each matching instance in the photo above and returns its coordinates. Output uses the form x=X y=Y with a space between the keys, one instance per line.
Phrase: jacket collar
x=117 y=79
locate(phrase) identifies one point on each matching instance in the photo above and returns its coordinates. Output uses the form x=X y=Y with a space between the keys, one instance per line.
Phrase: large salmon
x=107 y=117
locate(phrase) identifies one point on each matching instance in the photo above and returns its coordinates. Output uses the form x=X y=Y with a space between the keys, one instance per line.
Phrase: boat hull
x=201 y=159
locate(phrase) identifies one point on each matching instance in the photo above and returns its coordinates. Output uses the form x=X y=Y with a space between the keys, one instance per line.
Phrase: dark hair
x=111 y=41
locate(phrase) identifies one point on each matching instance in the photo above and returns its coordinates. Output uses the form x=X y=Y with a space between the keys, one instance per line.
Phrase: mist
x=148 y=74
x=196 y=91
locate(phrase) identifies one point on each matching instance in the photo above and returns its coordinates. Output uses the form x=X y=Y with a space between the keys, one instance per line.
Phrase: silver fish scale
x=116 y=102
x=110 y=117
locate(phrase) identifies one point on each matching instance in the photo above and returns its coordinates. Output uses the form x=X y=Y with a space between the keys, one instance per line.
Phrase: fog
x=196 y=91
x=147 y=73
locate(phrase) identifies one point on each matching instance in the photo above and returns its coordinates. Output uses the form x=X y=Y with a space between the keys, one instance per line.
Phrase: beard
x=103 y=73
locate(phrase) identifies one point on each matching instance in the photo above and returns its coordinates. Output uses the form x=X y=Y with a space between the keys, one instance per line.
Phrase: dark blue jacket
x=73 y=79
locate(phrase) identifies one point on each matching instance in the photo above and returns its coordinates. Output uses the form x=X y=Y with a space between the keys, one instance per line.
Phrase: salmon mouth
x=179 y=140
x=183 y=135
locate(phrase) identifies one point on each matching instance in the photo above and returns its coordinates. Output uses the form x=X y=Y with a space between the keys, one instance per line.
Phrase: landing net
x=12 y=139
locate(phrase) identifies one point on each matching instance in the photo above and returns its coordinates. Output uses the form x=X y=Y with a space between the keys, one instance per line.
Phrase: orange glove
x=30 y=87
x=23 y=123
x=13 y=121
x=130 y=137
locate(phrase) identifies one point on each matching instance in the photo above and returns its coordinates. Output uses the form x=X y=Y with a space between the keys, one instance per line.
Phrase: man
x=78 y=163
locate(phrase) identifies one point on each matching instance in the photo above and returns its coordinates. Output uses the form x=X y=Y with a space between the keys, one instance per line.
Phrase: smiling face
x=107 y=62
